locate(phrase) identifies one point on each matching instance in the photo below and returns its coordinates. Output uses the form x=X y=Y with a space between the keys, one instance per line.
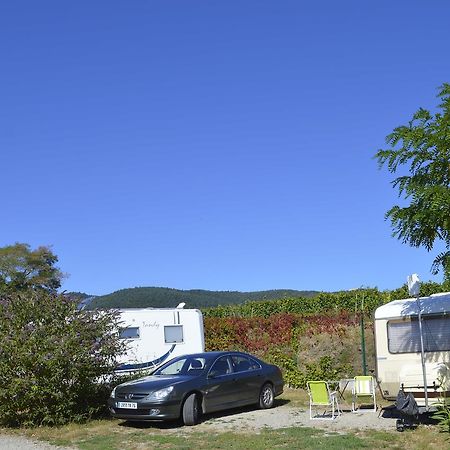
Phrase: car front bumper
x=146 y=411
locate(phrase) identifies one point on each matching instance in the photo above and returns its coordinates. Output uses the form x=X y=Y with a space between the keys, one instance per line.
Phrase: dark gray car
x=201 y=383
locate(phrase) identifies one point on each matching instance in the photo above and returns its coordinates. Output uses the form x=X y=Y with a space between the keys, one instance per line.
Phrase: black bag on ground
x=406 y=404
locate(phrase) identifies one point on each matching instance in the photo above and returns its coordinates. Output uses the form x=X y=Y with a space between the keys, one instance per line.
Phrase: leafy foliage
x=442 y=415
x=22 y=268
x=323 y=302
x=157 y=297
x=308 y=338
x=324 y=368
x=290 y=341
x=422 y=148
x=53 y=358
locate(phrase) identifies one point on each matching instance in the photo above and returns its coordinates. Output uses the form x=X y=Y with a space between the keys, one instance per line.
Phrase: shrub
x=324 y=368
x=342 y=343
x=324 y=302
x=292 y=376
x=54 y=359
x=442 y=415
x=304 y=347
x=249 y=334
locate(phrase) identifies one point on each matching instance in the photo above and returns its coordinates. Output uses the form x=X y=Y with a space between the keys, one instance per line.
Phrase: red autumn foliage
x=258 y=334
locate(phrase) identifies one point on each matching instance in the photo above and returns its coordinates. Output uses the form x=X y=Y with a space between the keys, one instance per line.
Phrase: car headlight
x=113 y=393
x=161 y=394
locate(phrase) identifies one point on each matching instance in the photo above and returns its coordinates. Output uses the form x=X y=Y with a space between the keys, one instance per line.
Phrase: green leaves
x=442 y=415
x=420 y=151
x=22 y=268
x=52 y=358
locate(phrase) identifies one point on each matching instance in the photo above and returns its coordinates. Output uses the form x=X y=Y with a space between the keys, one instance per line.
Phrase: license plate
x=126 y=405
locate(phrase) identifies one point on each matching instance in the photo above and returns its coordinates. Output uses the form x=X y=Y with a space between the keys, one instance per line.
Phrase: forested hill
x=157 y=297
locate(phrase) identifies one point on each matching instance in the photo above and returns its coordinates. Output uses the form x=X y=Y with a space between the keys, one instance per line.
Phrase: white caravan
x=398 y=350
x=154 y=336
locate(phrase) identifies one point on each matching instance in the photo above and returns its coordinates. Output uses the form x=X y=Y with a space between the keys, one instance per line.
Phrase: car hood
x=152 y=383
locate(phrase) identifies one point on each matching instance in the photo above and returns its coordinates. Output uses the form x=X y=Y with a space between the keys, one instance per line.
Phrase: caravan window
x=130 y=333
x=404 y=336
x=173 y=334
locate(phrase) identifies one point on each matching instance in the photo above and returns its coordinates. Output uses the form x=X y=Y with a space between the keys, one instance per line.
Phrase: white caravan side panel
x=154 y=336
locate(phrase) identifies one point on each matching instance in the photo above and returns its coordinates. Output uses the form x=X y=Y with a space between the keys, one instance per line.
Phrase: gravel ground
x=8 y=442
x=240 y=421
x=284 y=416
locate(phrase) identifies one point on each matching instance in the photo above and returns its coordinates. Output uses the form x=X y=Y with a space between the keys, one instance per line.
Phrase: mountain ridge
x=163 y=297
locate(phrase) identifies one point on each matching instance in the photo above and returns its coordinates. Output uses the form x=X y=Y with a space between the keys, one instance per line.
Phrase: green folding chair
x=363 y=392
x=322 y=398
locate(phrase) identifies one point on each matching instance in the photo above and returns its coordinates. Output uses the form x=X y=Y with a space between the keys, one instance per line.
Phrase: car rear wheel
x=191 y=410
x=266 y=396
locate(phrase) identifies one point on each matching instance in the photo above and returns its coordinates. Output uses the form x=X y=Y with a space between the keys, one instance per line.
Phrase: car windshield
x=188 y=365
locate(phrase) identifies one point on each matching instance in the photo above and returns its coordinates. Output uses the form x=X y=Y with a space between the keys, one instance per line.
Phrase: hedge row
x=324 y=302
x=260 y=334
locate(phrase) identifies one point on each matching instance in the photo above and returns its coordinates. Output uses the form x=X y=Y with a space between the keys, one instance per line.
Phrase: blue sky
x=212 y=144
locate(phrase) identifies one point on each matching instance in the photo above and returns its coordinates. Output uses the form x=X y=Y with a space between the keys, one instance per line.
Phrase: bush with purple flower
x=56 y=361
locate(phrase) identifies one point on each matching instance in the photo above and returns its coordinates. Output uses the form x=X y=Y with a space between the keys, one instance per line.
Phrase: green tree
x=22 y=268
x=420 y=153
x=55 y=360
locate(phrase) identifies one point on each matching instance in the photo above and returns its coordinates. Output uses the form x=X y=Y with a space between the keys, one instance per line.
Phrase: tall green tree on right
x=419 y=153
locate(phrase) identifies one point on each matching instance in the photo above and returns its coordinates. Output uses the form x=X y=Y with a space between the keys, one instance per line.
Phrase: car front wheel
x=191 y=410
x=266 y=396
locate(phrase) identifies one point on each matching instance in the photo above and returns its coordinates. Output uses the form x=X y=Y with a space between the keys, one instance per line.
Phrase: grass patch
x=111 y=435
x=108 y=435
x=295 y=397
x=425 y=437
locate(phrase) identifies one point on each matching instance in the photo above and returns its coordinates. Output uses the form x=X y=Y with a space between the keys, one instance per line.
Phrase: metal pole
x=422 y=351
